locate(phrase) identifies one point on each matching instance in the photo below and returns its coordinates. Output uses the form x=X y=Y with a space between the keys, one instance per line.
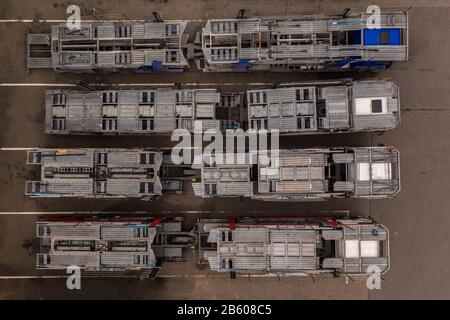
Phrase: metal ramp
x=39 y=54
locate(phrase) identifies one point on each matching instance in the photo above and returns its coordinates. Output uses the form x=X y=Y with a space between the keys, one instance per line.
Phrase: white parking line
x=28 y=277
x=143 y=213
x=89 y=20
x=167 y=276
x=43 y=213
x=37 y=148
x=162 y=276
x=188 y=84
x=17 y=149
x=36 y=85
x=31 y=21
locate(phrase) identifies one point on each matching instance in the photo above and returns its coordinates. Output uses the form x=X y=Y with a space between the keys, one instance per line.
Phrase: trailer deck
x=308 y=42
x=293 y=245
x=305 y=174
x=111 y=245
x=101 y=173
x=321 y=107
x=112 y=46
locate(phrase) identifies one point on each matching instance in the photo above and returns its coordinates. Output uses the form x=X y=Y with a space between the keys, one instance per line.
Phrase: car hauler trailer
x=301 y=43
x=329 y=108
x=298 y=174
x=139 y=112
x=304 y=174
x=111 y=46
x=120 y=246
x=96 y=173
x=309 y=42
x=137 y=246
x=320 y=107
x=284 y=246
